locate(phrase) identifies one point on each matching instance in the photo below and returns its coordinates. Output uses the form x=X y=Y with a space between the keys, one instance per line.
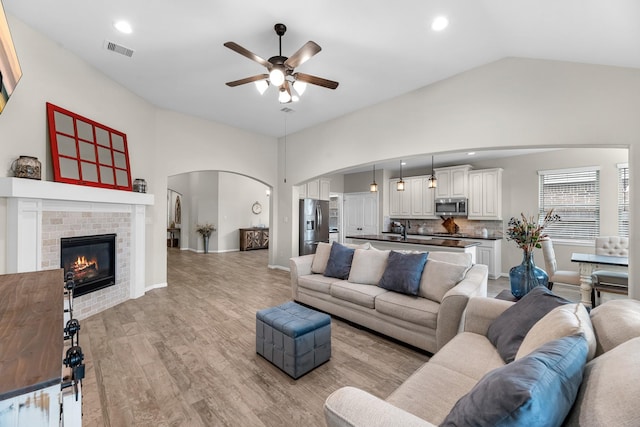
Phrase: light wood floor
x=185 y=354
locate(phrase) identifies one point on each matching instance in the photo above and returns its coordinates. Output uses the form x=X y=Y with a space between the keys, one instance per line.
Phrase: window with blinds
x=574 y=194
x=623 y=200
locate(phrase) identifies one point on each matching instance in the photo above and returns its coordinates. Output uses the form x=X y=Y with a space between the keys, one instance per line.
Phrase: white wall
x=509 y=103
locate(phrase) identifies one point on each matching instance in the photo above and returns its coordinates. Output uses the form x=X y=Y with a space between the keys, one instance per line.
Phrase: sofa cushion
x=537 y=390
x=458 y=258
x=339 y=263
x=438 y=277
x=364 y=295
x=455 y=355
x=368 y=266
x=416 y=310
x=609 y=392
x=403 y=272
x=431 y=391
x=509 y=329
x=323 y=250
x=317 y=282
x=563 y=321
x=615 y=322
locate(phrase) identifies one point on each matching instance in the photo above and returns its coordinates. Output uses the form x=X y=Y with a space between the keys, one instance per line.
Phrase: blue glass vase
x=526 y=276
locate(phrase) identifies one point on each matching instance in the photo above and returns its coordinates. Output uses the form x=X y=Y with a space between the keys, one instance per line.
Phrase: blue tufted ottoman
x=294 y=338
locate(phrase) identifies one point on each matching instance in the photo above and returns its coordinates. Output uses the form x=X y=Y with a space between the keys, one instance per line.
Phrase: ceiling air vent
x=287 y=110
x=114 y=47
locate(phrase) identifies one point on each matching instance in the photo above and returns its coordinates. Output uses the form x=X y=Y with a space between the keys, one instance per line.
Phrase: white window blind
x=574 y=194
x=623 y=200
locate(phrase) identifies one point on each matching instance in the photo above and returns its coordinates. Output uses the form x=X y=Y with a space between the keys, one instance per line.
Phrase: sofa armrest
x=299 y=266
x=455 y=301
x=352 y=407
x=481 y=312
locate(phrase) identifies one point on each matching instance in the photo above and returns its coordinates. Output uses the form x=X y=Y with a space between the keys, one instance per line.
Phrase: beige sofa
x=608 y=394
x=427 y=321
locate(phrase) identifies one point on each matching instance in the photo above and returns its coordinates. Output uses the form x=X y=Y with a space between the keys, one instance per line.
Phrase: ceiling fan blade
x=244 y=52
x=319 y=81
x=305 y=52
x=248 y=80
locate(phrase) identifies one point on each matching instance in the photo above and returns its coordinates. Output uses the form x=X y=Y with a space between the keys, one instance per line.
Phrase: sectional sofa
x=427 y=320
x=586 y=374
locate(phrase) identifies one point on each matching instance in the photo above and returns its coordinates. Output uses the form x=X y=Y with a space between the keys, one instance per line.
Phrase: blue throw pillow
x=403 y=272
x=536 y=390
x=508 y=330
x=339 y=263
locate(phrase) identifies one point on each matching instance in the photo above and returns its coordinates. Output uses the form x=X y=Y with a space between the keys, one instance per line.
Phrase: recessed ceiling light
x=403 y=163
x=471 y=153
x=440 y=23
x=123 y=27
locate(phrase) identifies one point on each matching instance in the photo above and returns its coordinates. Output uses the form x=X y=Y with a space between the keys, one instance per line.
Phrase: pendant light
x=373 y=187
x=400 y=184
x=433 y=182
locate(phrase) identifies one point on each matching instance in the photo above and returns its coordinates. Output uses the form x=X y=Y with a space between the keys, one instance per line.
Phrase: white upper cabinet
x=318 y=189
x=399 y=201
x=485 y=194
x=452 y=181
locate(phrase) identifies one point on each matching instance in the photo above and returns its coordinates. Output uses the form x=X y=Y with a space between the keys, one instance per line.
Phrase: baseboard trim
x=155 y=286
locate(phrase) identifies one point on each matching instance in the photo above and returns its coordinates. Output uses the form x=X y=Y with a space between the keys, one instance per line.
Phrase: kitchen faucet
x=404 y=231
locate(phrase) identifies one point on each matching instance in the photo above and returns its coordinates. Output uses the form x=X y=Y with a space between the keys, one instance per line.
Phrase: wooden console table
x=254 y=238
x=31 y=346
x=173 y=241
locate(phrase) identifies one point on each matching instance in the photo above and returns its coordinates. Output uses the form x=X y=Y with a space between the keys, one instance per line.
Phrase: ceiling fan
x=281 y=69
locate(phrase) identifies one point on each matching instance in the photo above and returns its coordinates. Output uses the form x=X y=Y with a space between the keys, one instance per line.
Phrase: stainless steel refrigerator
x=314 y=224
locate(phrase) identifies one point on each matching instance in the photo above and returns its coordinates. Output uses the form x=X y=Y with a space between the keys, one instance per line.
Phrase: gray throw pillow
x=403 y=272
x=508 y=330
x=537 y=390
x=339 y=264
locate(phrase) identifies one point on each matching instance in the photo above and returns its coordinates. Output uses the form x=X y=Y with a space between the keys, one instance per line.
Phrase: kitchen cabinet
x=489 y=253
x=399 y=201
x=452 y=181
x=318 y=189
x=254 y=238
x=416 y=201
x=360 y=213
x=485 y=194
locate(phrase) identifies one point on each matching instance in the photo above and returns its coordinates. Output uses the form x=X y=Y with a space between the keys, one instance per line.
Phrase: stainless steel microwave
x=451 y=207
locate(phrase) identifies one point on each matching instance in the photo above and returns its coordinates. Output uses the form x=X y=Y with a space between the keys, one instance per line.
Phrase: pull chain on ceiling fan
x=281 y=69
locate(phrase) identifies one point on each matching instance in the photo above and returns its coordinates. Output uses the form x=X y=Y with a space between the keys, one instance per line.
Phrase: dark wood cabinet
x=254 y=238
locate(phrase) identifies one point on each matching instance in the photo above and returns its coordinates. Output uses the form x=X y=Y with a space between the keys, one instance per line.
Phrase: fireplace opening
x=91 y=259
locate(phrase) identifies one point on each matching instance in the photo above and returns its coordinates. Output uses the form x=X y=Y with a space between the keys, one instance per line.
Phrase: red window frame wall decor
x=86 y=152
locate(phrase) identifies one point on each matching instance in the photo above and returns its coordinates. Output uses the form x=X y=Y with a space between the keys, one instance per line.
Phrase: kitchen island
x=422 y=243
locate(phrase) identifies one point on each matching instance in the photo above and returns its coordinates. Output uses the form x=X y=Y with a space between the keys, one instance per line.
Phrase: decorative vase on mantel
x=526 y=276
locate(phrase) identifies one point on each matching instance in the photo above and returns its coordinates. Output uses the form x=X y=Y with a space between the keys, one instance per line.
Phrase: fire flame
x=82 y=263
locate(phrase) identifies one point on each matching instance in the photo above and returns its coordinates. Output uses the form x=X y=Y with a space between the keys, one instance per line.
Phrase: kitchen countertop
x=434 y=241
x=447 y=236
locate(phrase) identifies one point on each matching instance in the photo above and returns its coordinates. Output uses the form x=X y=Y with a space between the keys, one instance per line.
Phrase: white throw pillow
x=321 y=257
x=438 y=277
x=368 y=266
x=566 y=320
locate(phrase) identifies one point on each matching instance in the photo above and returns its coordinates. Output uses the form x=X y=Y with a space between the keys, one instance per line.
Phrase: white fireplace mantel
x=27 y=199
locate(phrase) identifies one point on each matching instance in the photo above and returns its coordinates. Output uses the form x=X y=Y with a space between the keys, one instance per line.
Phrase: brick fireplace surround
x=39 y=213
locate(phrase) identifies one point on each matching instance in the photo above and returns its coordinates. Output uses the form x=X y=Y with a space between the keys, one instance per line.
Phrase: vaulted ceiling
x=377 y=50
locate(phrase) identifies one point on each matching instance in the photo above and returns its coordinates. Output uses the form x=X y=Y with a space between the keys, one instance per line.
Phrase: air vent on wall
x=114 y=47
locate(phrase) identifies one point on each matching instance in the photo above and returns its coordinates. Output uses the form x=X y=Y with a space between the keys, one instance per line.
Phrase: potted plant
x=527 y=233
x=205 y=231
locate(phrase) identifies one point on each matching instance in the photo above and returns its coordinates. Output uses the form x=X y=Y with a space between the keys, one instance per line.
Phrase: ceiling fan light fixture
x=276 y=75
x=262 y=86
x=299 y=87
x=284 y=96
